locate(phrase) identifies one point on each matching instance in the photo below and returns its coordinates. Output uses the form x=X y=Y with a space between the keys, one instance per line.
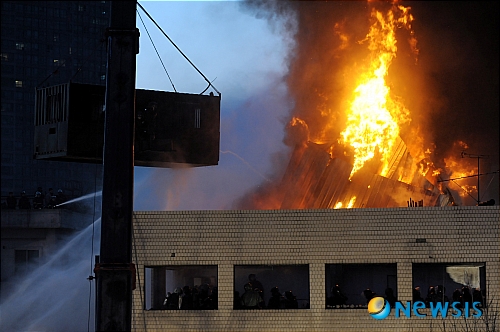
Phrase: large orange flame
x=374 y=117
x=355 y=110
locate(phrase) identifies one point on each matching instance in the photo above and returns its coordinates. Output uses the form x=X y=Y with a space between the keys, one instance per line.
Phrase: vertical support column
x=317 y=286
x=405 y=281
x=317 y=298
x=115 y=272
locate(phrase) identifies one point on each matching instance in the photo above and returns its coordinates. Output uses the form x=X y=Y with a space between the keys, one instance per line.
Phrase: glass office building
x=46 y=43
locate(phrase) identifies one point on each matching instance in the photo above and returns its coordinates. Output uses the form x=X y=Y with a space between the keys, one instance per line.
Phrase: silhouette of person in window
x=291 y=300
x=251 y=298
x=187 y=298
x=369 y=294
x=60 y=197
x=276 y=301
x=337 y=298
x=389 y=296
x=38 y=201
x=257 y=286
x=50 y=199
x=416 y=294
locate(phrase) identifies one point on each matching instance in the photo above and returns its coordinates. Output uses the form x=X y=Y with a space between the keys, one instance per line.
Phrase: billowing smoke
x=448 y=79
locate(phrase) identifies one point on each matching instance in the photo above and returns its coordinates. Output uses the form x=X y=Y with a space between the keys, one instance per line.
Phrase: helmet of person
x=38 y=193
x=23 y=192
x=59 y=191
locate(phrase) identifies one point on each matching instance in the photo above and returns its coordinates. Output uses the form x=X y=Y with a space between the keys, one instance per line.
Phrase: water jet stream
x=246 y=163
x=81 y=198
x=55 y=295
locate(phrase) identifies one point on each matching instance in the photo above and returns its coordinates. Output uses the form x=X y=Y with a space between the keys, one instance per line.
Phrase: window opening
x=451 y=282
x=190 y=287
x=271 y=287
x=354 y=285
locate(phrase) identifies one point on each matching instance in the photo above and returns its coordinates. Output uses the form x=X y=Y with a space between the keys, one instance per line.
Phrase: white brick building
x=331 y=245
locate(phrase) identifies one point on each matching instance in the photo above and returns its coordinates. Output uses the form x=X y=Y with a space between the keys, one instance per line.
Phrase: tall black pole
x=115 y=271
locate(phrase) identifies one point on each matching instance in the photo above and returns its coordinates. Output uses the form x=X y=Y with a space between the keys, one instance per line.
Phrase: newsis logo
x=379 y=308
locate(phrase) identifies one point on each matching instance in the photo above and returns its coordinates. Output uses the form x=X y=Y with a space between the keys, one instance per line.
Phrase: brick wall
x=316 y=238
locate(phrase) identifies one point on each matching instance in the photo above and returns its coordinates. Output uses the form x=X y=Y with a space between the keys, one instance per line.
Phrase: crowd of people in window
x=338 y=299
x=202 y=297
x=253 y=297
x=437 y=294
x=40 y=200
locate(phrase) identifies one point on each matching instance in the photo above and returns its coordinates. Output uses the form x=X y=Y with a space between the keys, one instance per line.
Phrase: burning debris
x=315 y=180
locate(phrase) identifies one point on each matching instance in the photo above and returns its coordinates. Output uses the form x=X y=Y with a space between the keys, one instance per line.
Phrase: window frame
x=161 y=280
x=346 y=275
x=270 y=276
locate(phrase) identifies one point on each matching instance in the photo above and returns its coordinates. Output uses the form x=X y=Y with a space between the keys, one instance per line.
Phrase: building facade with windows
x=43 y=43
x=312 y=253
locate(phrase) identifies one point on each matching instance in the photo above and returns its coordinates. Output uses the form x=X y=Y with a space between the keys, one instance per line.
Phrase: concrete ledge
x=45 y=218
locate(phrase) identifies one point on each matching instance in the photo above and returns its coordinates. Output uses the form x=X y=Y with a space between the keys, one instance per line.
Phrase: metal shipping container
x=171 y=129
